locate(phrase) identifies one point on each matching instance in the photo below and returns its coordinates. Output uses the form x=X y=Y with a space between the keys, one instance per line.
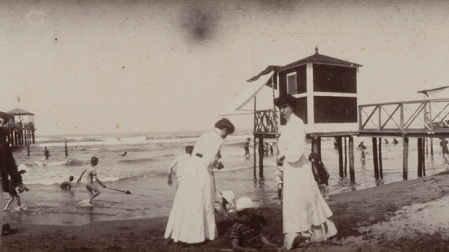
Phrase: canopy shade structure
x=246 y=95
x=436 y=93
x=18 y=111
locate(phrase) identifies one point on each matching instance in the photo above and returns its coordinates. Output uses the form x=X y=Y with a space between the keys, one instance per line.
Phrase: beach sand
x=401 y=216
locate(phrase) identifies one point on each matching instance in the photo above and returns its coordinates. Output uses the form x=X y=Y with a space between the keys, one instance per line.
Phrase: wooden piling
x=423 y=164
x=28 y=149
x=375 y=158
x=340 y=156
x=381 y=173
x=420 y=152
x=427 y=146
x=404 y=157
x=32 y=134
x=255 y=157
x=261 y=154
x=346 y=159
x=431 y=147
x=66 y=151
x=351 y=159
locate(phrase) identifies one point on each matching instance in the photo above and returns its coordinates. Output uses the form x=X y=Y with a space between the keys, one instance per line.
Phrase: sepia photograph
x=205 y=125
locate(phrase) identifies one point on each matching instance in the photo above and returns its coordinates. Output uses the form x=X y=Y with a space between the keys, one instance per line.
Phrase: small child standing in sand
x=15 y=181
x=90 y=183
x=320 y=173
x=224 y=198
x=67 y=185
x=279 y=177
x=246 y=232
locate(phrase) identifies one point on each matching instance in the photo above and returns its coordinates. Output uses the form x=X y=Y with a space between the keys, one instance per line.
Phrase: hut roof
x=320 y=58
x=18 y=111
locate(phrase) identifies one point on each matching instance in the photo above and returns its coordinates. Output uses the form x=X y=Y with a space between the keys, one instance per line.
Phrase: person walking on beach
x=179 y=162
x=444 y=149
x=320 y=173
x=14 y=182
x=47 y=153
x=305 y=212
x=67 y=185
x=246 y=146
x=8 y=168
x=192 y=217
x=90 y=182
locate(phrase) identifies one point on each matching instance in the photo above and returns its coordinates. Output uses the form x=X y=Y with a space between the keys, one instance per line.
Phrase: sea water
x=144 y=172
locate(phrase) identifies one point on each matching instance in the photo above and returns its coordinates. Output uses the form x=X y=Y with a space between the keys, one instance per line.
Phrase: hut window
x=291 y=83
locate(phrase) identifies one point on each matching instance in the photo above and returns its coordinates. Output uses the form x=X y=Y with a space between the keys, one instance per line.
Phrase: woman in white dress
x=192 y=218
x=305 y=213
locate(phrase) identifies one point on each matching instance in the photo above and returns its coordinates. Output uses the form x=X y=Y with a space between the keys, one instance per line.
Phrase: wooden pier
x=421 y=119
x=17 y=128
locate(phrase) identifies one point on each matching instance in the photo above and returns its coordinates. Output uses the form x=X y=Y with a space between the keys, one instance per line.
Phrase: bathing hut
x=326 y=93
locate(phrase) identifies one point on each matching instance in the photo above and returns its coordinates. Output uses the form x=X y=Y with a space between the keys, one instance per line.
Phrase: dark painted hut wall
x=335 y=109
x=334 y=79
x=301 y=79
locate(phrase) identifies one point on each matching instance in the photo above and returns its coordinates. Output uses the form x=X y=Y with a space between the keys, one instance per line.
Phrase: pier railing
x=264 y=121
x=421 y=116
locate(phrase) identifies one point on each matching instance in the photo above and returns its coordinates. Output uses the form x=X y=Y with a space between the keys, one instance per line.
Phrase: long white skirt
x=304 y=209
x=192 y=218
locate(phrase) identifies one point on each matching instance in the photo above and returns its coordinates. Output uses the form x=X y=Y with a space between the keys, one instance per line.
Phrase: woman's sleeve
x=295 y=150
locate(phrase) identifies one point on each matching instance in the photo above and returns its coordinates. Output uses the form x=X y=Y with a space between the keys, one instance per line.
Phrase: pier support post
x=420 y=152
x=340 y=156
x=346 y=159
x=431 y=147
x=404 y=157
x=16 y=139
x=423 y=164
x=351 y=159
x=261 y=154
x=66 y=151
x=32 y=133
x=375 y=158
x=381 y=172
x=28 y=149
x=255 y=157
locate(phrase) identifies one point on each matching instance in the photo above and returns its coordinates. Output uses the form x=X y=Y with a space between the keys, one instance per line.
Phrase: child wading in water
x=320 y=173
x=246 y=232
x=90 y=183
x=67 y=185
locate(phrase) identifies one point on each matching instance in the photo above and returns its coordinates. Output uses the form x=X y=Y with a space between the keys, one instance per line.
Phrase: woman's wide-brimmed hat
x=285 y=99
x=245 y=203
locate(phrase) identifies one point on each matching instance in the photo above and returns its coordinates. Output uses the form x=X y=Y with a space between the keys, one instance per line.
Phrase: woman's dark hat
x=285 y=99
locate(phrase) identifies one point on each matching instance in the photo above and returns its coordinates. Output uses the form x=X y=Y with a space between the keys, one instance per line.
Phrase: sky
x=98 y=66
